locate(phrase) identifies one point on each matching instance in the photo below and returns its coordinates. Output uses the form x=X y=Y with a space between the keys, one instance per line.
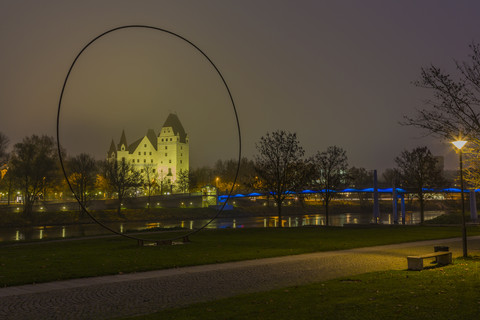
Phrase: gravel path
x=141 y=293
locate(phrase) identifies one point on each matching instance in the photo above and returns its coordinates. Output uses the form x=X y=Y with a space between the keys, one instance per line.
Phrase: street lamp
x=459 y=145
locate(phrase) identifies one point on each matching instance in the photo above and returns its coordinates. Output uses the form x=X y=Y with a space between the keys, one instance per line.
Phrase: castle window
x=180 y=161
x=144 y=160
x=145 y=153
x=145 y=145
x=138 y=160
x=141 y=170
x=162 y=140
x=166 y=147
x=150 y=152
x=151 y=160
x=153 y=170
x=170 y=139
x=169 y=161
x=166 y=154
x=181 y=154
x=181 y=147
x=139 y=153
x=133 y=160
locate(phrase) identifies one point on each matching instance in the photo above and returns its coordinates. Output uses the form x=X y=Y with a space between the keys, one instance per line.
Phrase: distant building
x=165 y=154
x=440 y=163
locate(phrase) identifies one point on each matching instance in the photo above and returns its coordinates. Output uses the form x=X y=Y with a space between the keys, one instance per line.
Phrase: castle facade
x=163 y=155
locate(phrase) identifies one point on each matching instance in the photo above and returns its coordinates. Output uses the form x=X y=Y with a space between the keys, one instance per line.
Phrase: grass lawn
x=450 y=292
x=49 y=261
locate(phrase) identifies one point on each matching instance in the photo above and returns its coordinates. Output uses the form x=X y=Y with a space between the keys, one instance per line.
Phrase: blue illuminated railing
x=223 y=198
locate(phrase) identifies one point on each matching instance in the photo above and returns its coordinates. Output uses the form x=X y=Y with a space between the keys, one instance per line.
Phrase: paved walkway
x=141 y=293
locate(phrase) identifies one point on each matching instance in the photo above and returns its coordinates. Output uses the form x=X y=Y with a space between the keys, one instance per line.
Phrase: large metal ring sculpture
x=141 y=240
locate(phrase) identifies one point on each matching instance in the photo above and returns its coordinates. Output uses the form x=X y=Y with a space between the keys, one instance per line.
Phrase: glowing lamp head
x=459 y=144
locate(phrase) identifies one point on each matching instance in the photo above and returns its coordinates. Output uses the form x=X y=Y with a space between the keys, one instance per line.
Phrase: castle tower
x=173 y=150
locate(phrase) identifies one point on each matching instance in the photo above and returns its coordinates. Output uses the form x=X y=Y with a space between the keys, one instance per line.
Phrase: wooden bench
x=416 y=262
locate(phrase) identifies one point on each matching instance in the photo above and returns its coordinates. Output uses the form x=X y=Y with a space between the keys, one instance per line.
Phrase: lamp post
x=459 y=145
x=216 y=187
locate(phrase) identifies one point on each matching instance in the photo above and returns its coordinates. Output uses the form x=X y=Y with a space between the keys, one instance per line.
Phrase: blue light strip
x=223 y=198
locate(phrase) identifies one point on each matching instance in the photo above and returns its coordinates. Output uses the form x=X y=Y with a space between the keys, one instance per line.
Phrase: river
x=79 y=230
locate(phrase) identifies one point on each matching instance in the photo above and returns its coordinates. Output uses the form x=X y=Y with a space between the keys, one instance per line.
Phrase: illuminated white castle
x=165 y=154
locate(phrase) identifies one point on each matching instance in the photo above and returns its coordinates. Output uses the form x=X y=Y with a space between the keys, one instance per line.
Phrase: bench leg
x=415 y=264
x=445 y=259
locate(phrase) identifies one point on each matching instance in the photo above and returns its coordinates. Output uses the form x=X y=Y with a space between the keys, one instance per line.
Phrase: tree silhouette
x=122 y=177
x=419 y=169
x=33 y=165
x=280 y=165
x=331 y=172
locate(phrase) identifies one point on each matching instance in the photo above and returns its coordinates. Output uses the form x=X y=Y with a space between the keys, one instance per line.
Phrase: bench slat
x=431 y=255
x=416 y=262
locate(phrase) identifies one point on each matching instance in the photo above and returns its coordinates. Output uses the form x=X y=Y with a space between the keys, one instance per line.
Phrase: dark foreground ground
x=143 y=293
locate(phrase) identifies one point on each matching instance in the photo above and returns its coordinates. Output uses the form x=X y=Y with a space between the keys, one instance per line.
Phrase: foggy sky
x=336 y=72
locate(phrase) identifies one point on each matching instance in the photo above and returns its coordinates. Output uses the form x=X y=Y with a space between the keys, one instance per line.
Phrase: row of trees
x=283 y=168
x=280 y=167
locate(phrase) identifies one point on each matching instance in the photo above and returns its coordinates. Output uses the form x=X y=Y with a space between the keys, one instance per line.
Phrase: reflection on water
x=52 y=232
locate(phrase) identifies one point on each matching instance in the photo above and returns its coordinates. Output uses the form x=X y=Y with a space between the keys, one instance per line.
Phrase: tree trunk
x=119 y=205
x=27 y=208
x=279 y=209
x=9 y=192
x=327 y=201
x=148 y=200
x=422 y=205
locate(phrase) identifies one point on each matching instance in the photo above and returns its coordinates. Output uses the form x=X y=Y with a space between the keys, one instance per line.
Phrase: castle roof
x=152 y=136
x=173 y=122
x=112 y=148
x=123 y=140
x=134 y=145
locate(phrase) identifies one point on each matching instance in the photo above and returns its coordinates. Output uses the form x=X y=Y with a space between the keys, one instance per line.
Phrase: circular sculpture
x=220 y=209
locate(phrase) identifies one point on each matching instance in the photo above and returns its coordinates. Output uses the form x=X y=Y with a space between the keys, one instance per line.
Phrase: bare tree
x=419 y=169
x=453 y=109
x=200 y=177
x=226 y=171
x=359 y=178
x=472 y=170
x=391 y=177
x=122 y=178
x=3 y=149
x=83 y=168
x=33 y=164
x=331 y=172
x=8 y=184
x=279 y=163
x=149 y=182
x=183 y=180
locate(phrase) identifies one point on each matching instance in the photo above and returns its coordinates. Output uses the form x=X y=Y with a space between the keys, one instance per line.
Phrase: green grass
x=450 y=292
x=42 y=262
x=449 y=218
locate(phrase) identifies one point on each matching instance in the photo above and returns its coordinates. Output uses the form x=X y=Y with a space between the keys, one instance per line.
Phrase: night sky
x=336 y=72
